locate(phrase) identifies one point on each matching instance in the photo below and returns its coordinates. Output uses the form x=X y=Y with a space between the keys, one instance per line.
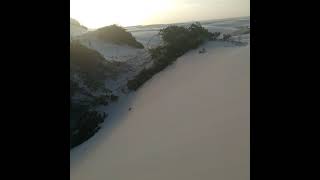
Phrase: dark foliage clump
x=118 y=35
x=226 y=37
x=215 y=35
x=85 y=127
x=177 y=41
x=113 y=97
x=91 y=66
x=88 y=70
x=89 y=62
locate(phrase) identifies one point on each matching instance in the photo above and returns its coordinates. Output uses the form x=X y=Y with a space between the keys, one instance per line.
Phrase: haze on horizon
x=99 y=13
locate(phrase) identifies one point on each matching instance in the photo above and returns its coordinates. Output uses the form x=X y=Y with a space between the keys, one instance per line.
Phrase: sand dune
x=190 y=121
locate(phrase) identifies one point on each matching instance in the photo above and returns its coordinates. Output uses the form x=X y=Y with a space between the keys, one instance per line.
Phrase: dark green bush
x=215 y=35
x=113 y=97
x=226 y=37
x=177 y=41
x=86 y=127
x=118 y=35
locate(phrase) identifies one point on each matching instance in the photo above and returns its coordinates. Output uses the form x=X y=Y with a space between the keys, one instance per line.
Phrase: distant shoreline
x=176 y=23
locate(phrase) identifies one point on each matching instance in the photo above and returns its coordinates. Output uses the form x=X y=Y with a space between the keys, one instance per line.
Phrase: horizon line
x=165 y=23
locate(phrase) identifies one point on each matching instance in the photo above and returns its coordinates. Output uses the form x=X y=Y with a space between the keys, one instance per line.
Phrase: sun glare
x=98 y=13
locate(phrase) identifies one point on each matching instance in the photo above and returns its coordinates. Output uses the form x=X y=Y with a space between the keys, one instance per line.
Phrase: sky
x=99 y=13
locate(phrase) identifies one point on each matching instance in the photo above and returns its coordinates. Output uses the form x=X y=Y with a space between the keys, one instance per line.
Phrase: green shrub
x=118 y=35
x=113 y=97
x=215 y=35
x=86 y=127
x=226 y=37
x=177 y=41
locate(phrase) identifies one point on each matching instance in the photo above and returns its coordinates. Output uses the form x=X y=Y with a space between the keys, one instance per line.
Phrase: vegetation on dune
x=85 y=126
x=91 y=70
x=182 y=39
x=91 y=66
x=89 y=61
x=177 y=41
x=215 y=35
x=74 y=22
x=117 y=35
x=226 y=37
x=88 y=72
x=84 y=120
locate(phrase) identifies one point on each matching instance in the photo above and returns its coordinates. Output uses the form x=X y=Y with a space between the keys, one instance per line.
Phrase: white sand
x=191 y=121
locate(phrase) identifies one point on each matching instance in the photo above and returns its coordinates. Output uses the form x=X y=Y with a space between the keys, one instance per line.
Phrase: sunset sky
x=99 y=13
